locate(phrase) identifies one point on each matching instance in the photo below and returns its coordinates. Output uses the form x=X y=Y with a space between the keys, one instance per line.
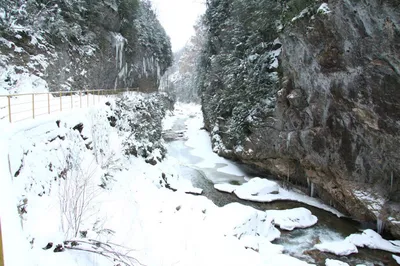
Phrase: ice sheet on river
x=292 y=218
x=199 y=141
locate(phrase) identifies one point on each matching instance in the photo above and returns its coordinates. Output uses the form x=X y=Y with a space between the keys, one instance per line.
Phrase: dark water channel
x=299 y=242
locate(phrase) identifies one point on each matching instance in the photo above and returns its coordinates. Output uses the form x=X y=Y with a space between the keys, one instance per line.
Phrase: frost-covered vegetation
x=238 y=71
x=81 y=44
x=139 y=121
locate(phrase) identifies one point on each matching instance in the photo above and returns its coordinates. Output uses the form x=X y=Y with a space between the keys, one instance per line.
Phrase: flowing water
x=299 y=242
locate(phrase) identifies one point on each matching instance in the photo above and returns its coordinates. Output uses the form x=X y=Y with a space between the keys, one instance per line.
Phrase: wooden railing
x=17 y=107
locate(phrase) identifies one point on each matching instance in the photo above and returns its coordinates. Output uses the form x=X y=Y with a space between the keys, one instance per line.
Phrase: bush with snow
x=138 y=118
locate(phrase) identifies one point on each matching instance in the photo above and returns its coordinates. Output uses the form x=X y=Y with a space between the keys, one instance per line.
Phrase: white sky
x=178 y=17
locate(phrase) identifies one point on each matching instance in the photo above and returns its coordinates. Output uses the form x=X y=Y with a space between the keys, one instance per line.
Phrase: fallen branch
x=108 y=250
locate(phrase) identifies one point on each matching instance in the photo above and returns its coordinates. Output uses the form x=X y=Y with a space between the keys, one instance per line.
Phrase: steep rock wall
x=82 y=44
x=333 y=123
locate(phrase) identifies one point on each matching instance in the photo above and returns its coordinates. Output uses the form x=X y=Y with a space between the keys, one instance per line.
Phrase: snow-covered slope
x=68 y=182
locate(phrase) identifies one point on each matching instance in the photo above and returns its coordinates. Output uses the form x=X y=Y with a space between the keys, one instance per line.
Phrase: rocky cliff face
x=82 y=44
x=331 y=121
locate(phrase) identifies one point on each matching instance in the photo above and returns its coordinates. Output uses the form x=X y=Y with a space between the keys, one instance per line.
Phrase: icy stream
x=299 y=242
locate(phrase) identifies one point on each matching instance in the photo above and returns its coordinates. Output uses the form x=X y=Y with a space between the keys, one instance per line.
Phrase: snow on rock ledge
x=373 y=240
x=340 y=248
x=293 y=218
x=185 y=186
x=368 y=239
x=263 y=190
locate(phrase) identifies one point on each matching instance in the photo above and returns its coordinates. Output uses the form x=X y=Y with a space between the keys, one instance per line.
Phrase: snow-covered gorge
x=135 y=210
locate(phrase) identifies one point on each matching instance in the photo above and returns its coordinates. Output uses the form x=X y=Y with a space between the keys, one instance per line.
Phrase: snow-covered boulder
x=330 y=262
x=239 y=220
x=292 y=218
x=340 y=248
x=256 y=187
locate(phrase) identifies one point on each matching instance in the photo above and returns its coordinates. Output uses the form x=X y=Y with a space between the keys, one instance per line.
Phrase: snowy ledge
x=367 y=239
x=263 y=190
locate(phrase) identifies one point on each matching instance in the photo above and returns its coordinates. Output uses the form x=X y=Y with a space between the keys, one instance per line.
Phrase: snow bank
x=330 y=262
x=340 y=248
x=185 y=185
x=293 y=218
x=226 y=187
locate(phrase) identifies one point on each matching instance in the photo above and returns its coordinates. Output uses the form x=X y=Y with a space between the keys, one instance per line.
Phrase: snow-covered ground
x=49 y=192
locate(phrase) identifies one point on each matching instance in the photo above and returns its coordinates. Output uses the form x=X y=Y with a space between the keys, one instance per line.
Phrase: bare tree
x=77 y=191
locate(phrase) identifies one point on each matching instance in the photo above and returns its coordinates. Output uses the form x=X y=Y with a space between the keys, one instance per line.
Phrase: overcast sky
x=178 y=18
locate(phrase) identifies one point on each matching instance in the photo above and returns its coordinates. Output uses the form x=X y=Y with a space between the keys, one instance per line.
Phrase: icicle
x=312 y=190
x=144 y=67
x=158 y=71
x=121 y=55
x=391 y=180
x=119 y=50
x=380 y=225
x=116 y=52
x=289 y=137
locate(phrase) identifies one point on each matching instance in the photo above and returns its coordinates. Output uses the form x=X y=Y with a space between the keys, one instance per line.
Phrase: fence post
x=48 y=102
x=1 y=248
x=80 y=98
x=9 y=108
x=72 y=102
x=33 y=105
x=60 y=101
